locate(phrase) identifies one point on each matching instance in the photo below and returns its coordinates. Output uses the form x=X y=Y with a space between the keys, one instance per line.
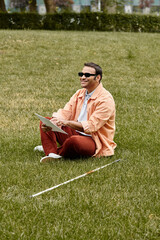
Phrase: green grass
x=38 y=73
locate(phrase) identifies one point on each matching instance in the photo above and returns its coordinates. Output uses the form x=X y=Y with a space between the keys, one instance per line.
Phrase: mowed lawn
x=38 y=74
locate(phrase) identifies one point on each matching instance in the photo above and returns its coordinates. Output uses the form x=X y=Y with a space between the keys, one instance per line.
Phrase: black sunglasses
x=80 y=74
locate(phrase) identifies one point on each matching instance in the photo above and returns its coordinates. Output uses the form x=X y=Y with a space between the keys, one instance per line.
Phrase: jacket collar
x=94 y=95
x=97 y=91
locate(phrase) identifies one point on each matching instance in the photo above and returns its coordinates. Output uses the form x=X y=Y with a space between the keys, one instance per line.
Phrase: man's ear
x=98 y=78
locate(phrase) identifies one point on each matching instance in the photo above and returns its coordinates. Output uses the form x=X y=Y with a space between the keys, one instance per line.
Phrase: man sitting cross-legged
x=88 y=118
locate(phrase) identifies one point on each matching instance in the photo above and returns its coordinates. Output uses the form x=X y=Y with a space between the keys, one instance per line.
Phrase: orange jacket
x=100 y=118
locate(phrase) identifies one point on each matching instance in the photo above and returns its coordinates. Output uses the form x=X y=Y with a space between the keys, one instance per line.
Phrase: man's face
x=90 y=83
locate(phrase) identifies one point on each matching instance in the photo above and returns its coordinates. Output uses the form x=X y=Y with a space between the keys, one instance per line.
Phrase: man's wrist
x=67 y=123
x=75 y=125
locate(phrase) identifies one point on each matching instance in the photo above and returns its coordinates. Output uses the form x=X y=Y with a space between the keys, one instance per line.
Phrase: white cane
x=71 y=180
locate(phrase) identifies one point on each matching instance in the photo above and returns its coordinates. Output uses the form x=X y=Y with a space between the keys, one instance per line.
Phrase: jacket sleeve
x=103 y=112
x=66 y=112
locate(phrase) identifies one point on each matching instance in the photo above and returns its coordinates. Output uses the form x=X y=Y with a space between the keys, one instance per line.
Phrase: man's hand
x=72 y=124
x=59 y=122
x=45 y=128
x=54 y=120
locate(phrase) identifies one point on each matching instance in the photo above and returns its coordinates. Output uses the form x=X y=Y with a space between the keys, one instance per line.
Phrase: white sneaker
x=39 y=148
x=50 y=158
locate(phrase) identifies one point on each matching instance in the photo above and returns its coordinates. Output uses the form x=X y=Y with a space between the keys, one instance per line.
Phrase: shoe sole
x=48 y=159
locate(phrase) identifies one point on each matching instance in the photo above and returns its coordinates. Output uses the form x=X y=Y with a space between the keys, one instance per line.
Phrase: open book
x=48 y=123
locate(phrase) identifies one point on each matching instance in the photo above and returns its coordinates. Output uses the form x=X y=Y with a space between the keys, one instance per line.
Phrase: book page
x=48 y=123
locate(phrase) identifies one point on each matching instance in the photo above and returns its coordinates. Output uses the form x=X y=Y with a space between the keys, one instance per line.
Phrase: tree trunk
x=109 y=6
x=2 y=6
x=33 y=6
x=50 y=6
